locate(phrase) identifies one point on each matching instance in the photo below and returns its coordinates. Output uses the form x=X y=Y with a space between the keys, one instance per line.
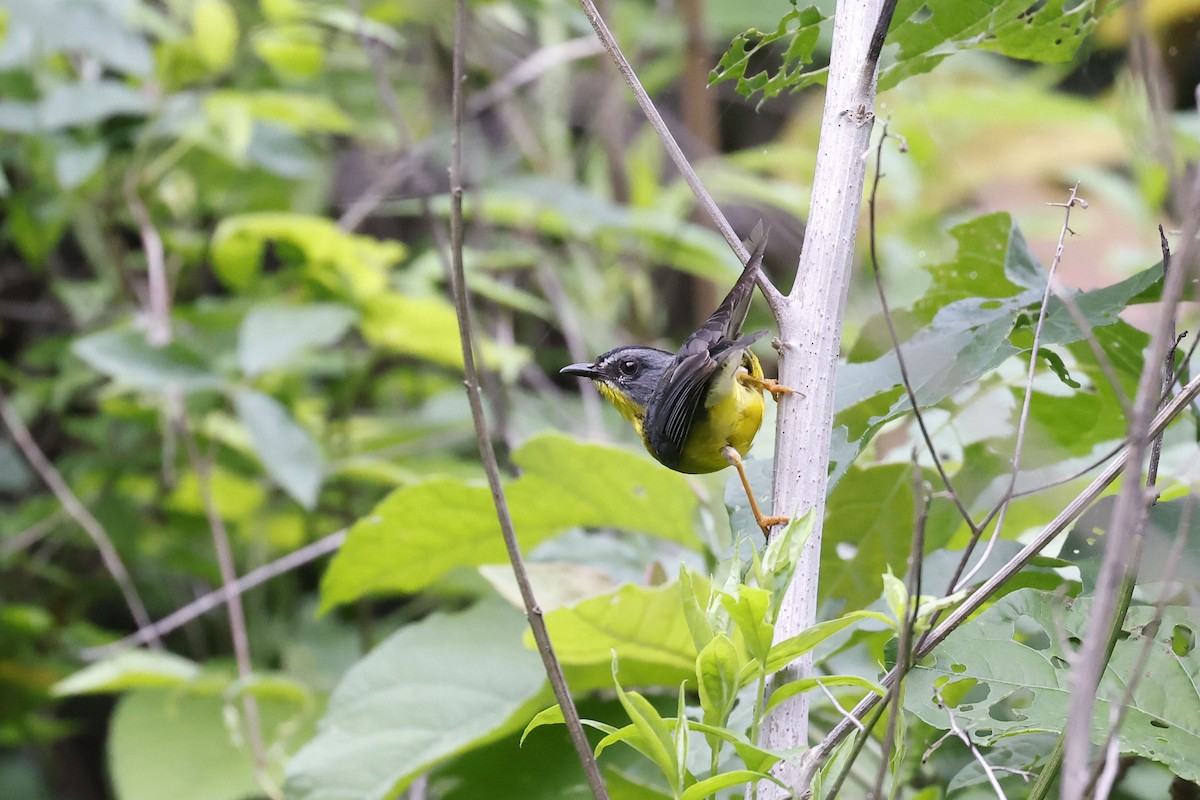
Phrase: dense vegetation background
x=227 y=339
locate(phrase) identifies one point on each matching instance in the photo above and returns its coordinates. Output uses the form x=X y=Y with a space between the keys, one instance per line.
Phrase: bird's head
x=626 y=376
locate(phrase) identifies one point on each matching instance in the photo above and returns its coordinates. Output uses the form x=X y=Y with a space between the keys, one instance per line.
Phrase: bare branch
x=486 y=451
x=774 y=298
x=214 y=599
x=77 y=511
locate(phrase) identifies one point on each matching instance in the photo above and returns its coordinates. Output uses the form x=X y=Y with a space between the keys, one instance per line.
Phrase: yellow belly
x=732 y=419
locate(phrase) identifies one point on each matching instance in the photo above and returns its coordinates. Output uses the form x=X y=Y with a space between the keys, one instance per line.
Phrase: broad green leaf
x=215 y=33
x=133 y=669
x=555 y=584
x=354 y=266
x=790 y=690
x=178 y=744
x=38 y=29
x=644 y=626
x=717 y=669
x=417 y=700
x=1011 y=660
x=124 y=356
x=868 y=528
x=426 y=327
x=419 y=533
x=929 y=31
x=1086 y=543
x=292 y=458
x=74 y=165
x=272 y=335
x=653 y=729
x=86 y=103
x=800 y=28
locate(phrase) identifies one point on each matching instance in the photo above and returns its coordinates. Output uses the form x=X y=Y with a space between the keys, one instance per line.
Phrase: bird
x=697 y=410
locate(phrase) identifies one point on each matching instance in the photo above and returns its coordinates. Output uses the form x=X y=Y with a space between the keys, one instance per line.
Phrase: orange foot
x=773 y=386
x=764 y=522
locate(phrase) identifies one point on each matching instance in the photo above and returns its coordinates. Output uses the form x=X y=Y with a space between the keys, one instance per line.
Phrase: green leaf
x=717 y=670
x=793 y=688
x=801 y=28
x=295 y=111
x=215 y=33
x=291 y=456
x=643 y=625
x=125 y=357
x=133 y=669
x=85 y=103
x=403 y=546
x=417 y=700
x=1011 y=661
x=293 y=52
x=790 y=649
x=426 y=327
x=555 y=584
x=654 y=731
x=929 y=31
x=749 y=608
x=554 y=716
x=168 y=743
x=272 y=335
x=696 y=592
x=1087 y=541
x=737 y=777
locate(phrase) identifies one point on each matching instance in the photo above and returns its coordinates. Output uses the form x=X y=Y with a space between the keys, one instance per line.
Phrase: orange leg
x=766 y=523
x=773 y=386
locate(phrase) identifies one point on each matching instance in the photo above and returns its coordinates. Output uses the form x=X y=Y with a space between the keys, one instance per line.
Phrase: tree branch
x=486 y=451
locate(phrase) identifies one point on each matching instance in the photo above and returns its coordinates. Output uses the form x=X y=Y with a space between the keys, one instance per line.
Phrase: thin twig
x=900 y=360
x=1023 y=421
x=487 y=453
x=846 y=715
x=214 y=599
x=236 y=615
x=77 y=511
x=980 y=595
x=158 y=300
x=957 y=730
x=775 y=300
x=1128 y=516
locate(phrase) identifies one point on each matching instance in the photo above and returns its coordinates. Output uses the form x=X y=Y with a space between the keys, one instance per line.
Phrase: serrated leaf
x=417 y=700
x=403 y=546
x=292 y=457
x=1012 y=661
x=801 y=28
x=272 y=335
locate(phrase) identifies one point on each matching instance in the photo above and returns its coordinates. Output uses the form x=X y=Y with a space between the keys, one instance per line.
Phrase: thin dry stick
x=1128 y=515
x=816 y=755
x=214 y=599
x=958 y=582
x=77 y=511
x=237 y=617
x=774 y=299
x=957 y=730
x=900 y=360
x=158 y=299
x=487 y=453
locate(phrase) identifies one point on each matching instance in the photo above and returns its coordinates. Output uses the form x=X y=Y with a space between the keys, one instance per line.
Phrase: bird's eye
x=629 y=367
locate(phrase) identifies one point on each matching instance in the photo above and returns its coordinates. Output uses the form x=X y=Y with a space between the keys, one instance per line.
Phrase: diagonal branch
x=486 y=451
x=77 y=511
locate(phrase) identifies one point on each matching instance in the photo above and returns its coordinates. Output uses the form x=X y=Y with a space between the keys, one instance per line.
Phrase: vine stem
x=487 y=452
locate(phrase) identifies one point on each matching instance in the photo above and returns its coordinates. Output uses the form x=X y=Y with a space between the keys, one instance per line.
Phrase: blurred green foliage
x=222 y=225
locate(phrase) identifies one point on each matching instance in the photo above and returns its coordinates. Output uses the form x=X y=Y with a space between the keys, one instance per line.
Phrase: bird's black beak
x=582 y=370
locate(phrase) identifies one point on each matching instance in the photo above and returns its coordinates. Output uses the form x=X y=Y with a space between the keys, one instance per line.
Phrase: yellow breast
x=733 y=415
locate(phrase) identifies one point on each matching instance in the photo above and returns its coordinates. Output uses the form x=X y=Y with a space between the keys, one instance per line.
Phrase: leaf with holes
x=1005 y=674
